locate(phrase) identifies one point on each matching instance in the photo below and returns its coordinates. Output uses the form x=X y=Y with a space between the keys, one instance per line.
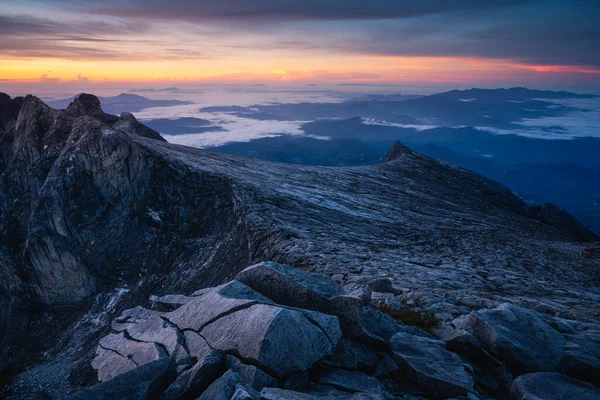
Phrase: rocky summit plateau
x=131 y=268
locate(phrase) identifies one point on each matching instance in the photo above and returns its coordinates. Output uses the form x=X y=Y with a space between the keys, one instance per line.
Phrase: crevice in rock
x=199 y=334
x=320 y=328
x=180 y=337
x=226 y=313
x=122 y=355
x=252 y=362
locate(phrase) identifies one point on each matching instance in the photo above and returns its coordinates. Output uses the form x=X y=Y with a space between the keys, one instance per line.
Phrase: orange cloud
x=562 y=69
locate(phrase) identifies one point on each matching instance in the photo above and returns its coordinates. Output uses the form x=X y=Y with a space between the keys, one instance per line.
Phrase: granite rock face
x=108 y=233
x=232 y=342
x=430 y=366
x=517 y=336
x=551 y=385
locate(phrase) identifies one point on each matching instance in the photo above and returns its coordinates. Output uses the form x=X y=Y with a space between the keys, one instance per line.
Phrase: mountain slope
x=98 y=212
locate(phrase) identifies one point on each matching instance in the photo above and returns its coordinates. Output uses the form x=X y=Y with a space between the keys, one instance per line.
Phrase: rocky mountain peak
x=4 y=98
x=85 y=103
x=397 y=150
x=98 y=212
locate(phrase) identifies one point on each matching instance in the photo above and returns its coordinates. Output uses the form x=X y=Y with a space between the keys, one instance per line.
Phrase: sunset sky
x=462 y=43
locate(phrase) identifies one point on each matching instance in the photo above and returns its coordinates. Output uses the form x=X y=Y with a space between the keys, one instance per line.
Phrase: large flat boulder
x=205 y=309
x=298 y=288
x=270 y=340
x=431 y=367
x=138 y=352
x=551 y=385
x=280 y=340
x=516 y=336
x=251 y=375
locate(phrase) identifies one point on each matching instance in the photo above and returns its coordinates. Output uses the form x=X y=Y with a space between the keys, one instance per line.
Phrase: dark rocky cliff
x=97 y=212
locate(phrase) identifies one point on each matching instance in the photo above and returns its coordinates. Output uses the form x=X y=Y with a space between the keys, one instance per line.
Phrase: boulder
x=110 y=364
x=223 y=388
x=138 y=352
x=321 y=394
x=381 y=285
x=196 y=345
x=352 y=355
x=551 y=385
x=232 y=318
x=427 y=364
x=191 y=383
x=462 y=342
x=581 y=359
x=350 y=381
x=205 y=309
x=251 y=375
x=243 y=392
x=413 y=330
x=379 y=323
x=142 y=383
x=298 y=288
x=386 y=368
x=155 y=330
x=516 y=336
x=280 y=340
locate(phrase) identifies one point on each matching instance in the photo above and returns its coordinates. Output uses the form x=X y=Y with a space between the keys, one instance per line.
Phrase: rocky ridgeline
x=281 y=333
x=97 y=211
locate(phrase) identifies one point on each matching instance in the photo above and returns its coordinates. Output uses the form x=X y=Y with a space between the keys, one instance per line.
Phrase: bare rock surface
x=517 y=336
x=430 y=366
x=551 y=385
x=307 y=290
x=145 y=382
x=98 y=212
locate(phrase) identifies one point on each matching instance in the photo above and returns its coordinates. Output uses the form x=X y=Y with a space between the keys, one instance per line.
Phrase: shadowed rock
x=551 y=385
x=558 y=218
x=143 y=383
x=516 y=336
x=223 y=388
x=434 y=369
x=193 y=382
x=298 y=288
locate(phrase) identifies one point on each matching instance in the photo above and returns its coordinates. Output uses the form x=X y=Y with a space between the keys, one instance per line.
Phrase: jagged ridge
x=98 y=211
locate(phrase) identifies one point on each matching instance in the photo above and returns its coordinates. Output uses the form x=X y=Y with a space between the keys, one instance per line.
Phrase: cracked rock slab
x=298 y=288
x=280 y=340
x=431 y=367
x=138 y=352
x=222 y=300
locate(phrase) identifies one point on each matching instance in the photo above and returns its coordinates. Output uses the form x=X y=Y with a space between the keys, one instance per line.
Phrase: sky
x=150 y=43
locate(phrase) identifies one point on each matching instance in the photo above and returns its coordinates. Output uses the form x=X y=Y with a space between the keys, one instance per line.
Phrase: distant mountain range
x=125 y=102
x=499 y=108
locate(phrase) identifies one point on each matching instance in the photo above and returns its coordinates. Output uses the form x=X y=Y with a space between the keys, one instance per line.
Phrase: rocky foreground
x=278 y=332
x=98 y=214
